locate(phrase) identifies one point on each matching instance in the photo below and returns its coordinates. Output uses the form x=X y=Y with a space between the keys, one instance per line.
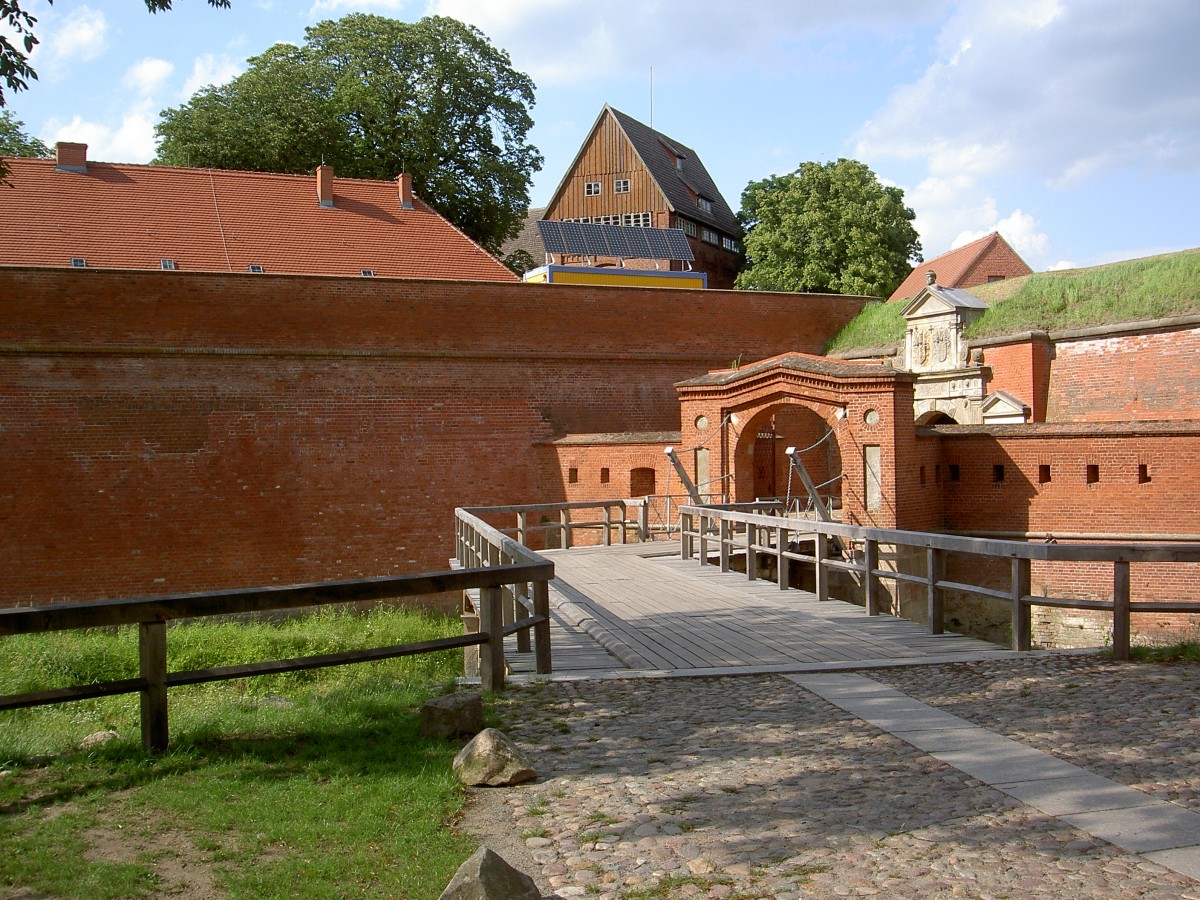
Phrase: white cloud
x=209 y=69
x=955 y=210
x=326 y=7
x=80 y=35
x=570 y=41
x=1063 y=90
x=148 y=75
x=1020 y=229
x=131 y=141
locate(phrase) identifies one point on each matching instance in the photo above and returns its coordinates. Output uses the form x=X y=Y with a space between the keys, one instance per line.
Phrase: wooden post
x=871 y=583
x=783 y=565
x=564 y=525
x=1022 y=613
x=521 y=592
x=541 y=631
x=724 y=538
x=624 y=532
x=685 y=535
x=751 y=553
x=152 y=653
x=1121 y=626
x=522 y=529
x=935 y=562
x=607 y=526
x=702 y=538
x=644 y=521
x=491 y=654
x=820 y=551
x=470 y=620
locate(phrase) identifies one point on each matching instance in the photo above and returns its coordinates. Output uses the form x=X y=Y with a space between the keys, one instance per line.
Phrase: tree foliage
x=15 y=142
x=15 y=70
x=374 y=97
x=827 y=228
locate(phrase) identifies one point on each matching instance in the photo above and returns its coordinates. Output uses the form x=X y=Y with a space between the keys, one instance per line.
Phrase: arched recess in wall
x=936 y=417
x=762 y=469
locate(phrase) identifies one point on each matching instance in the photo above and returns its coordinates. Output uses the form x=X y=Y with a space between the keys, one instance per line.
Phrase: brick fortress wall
x=168 y=431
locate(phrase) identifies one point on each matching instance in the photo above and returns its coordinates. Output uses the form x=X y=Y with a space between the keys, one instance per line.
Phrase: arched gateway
x=851 y=419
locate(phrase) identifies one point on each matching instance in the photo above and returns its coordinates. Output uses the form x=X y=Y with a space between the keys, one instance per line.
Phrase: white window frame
x=591 y=189
x=704 y=203
x=688 y=226
x=709 y=236
x=621 y=186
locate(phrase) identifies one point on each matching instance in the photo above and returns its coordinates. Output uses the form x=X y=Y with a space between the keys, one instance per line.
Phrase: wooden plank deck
x=640 y=607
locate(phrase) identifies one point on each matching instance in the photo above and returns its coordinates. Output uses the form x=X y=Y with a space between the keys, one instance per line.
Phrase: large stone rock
x=98 y=739
x=492 y=759
x=452 y=714
x=486 y=876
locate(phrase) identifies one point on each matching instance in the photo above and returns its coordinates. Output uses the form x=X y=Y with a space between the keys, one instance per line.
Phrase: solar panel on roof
x=621 y=241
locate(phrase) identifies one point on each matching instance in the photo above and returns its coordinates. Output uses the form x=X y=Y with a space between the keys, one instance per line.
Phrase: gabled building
x=70 y=211
x=990 y=258
x=626 y=173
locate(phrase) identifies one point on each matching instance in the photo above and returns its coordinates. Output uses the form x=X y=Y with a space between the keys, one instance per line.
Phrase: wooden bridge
x=640 y=607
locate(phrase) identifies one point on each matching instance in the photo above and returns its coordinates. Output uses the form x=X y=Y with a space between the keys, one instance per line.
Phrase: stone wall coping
x=1065 y=429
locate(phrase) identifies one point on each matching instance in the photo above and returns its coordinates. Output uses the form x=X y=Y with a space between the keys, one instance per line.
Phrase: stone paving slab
x=1077 y=794
x=999 y=764
x=1158 y=826
x=1184 y=859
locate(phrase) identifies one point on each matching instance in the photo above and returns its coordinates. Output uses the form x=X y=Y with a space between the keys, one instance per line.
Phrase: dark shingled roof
x=652 y=147
x=528 y=239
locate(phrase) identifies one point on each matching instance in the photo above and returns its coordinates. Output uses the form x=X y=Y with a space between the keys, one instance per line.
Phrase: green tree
x=15 y=70
x=827 y=227
x=15 y=142
x=374 y=97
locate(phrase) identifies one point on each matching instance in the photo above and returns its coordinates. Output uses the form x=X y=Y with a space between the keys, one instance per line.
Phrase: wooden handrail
x=151 y=614
x=702 y=524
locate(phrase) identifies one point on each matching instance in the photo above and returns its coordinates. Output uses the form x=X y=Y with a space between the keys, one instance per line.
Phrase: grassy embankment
x=313 y=784
x=1133 y=291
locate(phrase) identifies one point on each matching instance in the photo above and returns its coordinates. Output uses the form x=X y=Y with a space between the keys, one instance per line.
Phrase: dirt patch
x=184 y=871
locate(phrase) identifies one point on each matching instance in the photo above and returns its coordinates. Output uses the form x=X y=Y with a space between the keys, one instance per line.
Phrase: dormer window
x=704 y=203
x=168 y=265
x=591 y=189
x=367 y=273
x=78 y=262
x=254 y=269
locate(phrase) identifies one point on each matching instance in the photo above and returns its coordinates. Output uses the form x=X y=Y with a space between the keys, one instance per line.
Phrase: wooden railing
x=523 y=604
x=735 y=531
x=615 y=520
x=151 y=615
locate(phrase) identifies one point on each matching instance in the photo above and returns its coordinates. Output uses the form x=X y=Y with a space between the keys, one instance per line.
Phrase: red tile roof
x=966 y=266
x=133 y=217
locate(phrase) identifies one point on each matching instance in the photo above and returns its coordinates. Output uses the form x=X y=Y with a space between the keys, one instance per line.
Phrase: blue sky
x=1071 y=126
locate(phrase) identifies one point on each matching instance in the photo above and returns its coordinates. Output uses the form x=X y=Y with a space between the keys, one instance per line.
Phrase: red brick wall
x=182 y=431
x=1130 y=377
x=1000 y=261
x=1118 y=503
x=1023 y=370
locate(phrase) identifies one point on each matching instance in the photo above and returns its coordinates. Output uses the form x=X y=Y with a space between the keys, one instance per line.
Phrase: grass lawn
x=1131 y=291
x=313 y=784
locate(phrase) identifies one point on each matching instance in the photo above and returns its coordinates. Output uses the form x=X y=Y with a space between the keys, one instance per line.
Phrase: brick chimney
x=406 y=193
x=70 y=157
x=325 y=186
